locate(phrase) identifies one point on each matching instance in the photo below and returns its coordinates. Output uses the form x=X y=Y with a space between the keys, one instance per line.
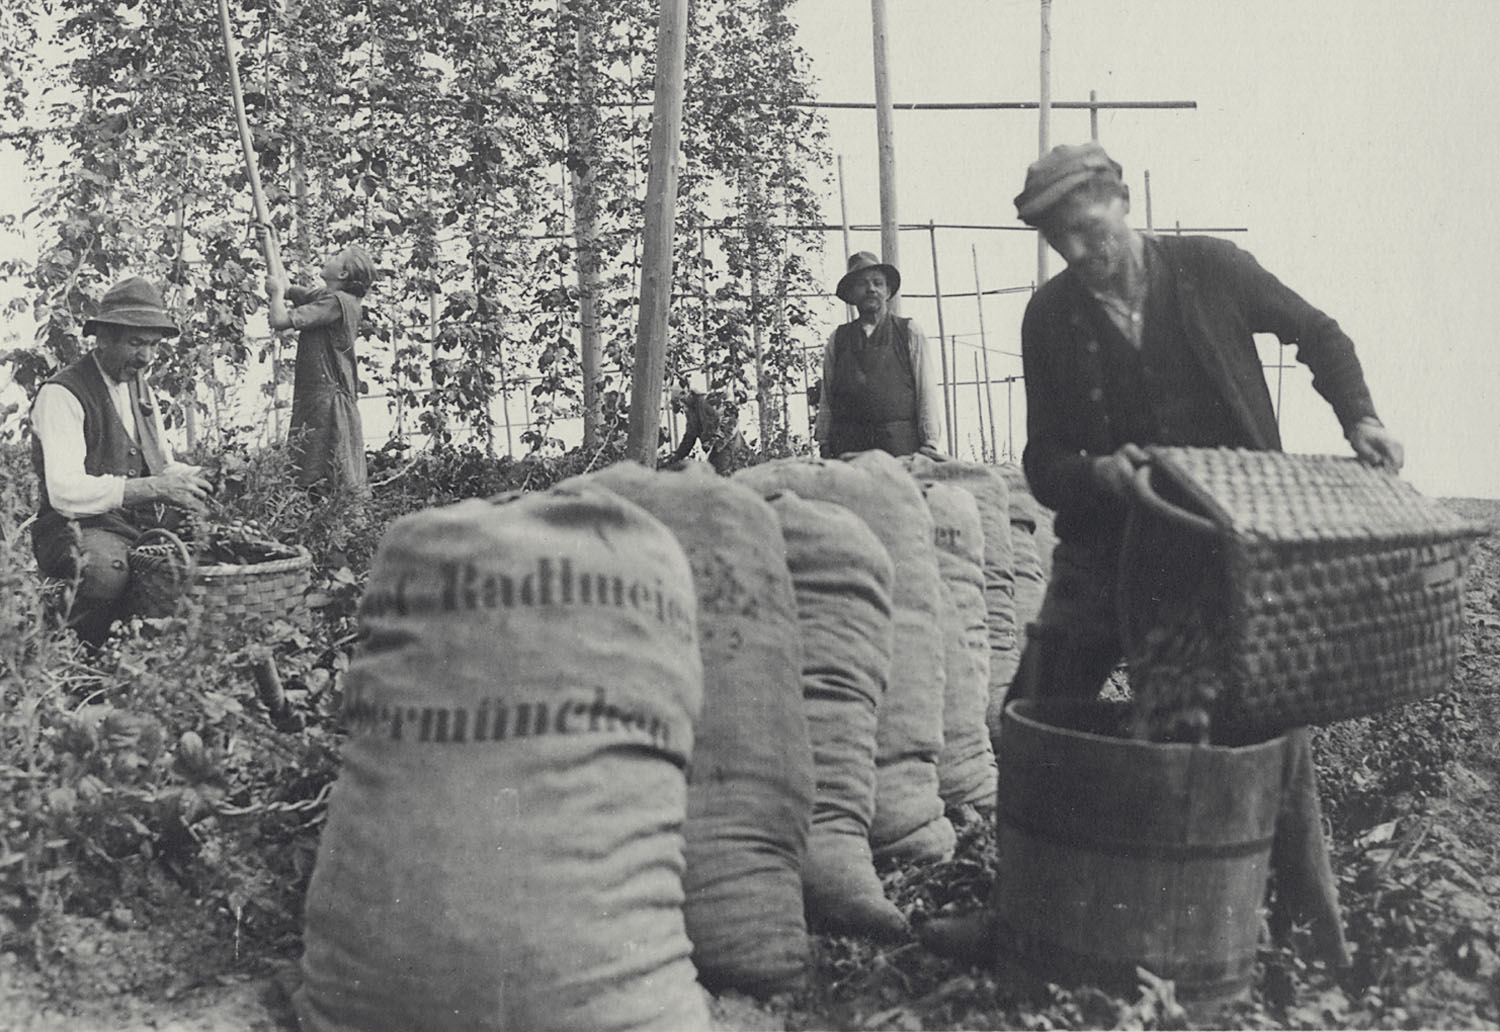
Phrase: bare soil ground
x=1419 y=869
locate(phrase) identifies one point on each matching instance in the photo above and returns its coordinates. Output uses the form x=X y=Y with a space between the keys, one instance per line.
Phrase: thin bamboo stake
x=247 y=145
x=849 y=311
x=937 y=289
x=953 y=433
x=979 y=408
x=1044 y=121
x=984 y=349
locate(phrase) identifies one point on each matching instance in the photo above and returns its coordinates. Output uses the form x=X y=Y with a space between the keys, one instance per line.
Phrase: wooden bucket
x=1116 y=854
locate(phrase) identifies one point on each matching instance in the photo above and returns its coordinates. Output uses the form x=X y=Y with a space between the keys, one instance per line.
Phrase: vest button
x=1092 y=347
x=135 y=451
x=131 y=473
x=1096 y=395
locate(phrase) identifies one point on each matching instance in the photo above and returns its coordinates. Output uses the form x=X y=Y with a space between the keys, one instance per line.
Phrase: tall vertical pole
x=1148 y=200
x=1010 y=418
x=890 y=243
x=702 y=324
x=953 y=435
x=650 y=363
x=849 y=310
x=979 y=409
x=1094 y=115
x=1044 y=122
x=984 y=349
x=937 y=290
x=583 y=131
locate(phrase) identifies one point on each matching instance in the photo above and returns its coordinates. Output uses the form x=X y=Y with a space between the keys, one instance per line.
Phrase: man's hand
x=185 y=488
x=1115 y=471
x=276 y=286
x=1377 y=446
x=932 y=453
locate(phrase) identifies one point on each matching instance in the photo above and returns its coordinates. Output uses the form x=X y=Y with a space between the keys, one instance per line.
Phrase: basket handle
x=1146 y=495
x=149 y=536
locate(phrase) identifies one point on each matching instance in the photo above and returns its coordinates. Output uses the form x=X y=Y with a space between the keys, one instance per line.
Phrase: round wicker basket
x=163 y=573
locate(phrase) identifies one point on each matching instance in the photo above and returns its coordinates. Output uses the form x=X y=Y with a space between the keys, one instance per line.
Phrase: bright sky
x=1352 y=138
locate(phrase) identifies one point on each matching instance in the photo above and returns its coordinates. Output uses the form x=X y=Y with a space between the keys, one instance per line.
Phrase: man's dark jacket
x=1223 y=297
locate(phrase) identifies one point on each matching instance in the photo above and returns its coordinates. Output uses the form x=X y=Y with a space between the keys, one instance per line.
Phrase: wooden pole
x=1148 y=200
x=979 y=408
x=1094 y=115
x=1044 y=122
x=953 y=435
x=937 y=290
x=1010 y=419
x=656 y=250
x=586 y=224
x=849 y=311
x=247 y=145
x=885 y=135
x=984 y=349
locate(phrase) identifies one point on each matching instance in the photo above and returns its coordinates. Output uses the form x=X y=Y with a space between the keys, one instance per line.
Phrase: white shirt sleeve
x=57 y=421
x=924 y=367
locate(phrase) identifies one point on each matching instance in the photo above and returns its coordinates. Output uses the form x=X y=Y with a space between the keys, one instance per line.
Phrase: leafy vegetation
x=490 y=153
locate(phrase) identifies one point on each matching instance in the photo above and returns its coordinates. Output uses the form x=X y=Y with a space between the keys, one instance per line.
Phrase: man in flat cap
x=1147 y=340
x=880 y=385
x=104 y=466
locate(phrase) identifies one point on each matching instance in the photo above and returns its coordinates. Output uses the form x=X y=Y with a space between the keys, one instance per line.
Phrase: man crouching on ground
x=104 y=466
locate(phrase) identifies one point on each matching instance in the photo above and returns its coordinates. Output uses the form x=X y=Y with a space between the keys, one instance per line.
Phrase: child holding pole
x=327 y=441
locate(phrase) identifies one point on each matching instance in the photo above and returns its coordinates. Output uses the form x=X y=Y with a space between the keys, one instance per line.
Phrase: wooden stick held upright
x=247 y=145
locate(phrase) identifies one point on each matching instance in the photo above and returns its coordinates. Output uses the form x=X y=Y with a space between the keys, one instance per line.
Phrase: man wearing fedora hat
x=104 y=466
x=880 y=380
x=1147 y=340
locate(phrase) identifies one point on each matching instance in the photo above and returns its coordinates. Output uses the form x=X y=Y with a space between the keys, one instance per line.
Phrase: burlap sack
x=909 y=821
x=991 y=493
x=750 y=782
x=966 y=766
x=1030 y=580
x=503 y=848
x=842 y=577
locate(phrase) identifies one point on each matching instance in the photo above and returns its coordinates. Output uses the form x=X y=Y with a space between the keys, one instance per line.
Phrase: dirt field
x=1418 y=858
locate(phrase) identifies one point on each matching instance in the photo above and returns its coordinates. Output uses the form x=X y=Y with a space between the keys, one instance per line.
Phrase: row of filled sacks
x=887 y=599
x=1017 y=542
x=501 y=846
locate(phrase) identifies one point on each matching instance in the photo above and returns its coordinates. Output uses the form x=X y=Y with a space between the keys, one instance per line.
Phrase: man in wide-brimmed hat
x=105 y=469
x=1146 y=340
x=880 y=385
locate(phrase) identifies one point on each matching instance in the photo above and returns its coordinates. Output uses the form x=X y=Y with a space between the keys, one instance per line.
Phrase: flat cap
x=1052 y=176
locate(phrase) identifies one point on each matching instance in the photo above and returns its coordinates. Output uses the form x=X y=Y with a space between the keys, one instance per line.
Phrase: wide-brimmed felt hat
x=1055 y=174
x=859 y=263
x=132 y=302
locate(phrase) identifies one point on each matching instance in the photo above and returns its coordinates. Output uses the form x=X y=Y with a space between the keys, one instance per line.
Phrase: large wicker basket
x=163 y=572
x=1338 y=587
